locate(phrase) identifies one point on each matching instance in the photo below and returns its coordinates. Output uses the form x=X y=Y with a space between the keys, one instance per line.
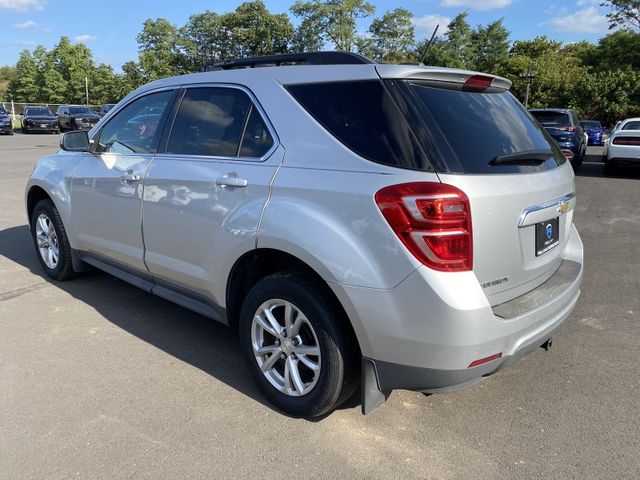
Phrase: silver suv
x=361 y=225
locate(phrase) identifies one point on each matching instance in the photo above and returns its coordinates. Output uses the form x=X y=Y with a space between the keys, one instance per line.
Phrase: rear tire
x=51 y=241
x=279 y=356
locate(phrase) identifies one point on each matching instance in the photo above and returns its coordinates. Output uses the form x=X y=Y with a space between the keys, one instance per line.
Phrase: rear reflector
x=433 y=220
x=477 y=83
x=482 y=361
x=626 y=141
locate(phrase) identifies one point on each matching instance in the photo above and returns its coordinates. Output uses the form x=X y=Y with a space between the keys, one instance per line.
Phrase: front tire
x=297 y=346
x=50 y=241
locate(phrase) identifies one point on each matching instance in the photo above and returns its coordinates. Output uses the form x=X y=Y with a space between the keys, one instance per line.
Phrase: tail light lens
x=568 y=154
x=626 y=141
x=433 y=220
x=568 y=129
x=477 y=83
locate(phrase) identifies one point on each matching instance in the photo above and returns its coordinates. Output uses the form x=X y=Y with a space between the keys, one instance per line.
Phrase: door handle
x=130 y=177
x=231 y=180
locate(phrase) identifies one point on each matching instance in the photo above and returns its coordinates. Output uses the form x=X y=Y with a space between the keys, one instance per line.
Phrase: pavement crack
x=4 y=296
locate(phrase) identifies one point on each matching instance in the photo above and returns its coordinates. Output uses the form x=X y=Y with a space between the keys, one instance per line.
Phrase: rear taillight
x=568 y=154
x=433 y=220
x=626 y=141
x=568 y=129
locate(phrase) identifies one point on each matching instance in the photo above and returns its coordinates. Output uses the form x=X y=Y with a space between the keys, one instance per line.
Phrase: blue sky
x=110 y=27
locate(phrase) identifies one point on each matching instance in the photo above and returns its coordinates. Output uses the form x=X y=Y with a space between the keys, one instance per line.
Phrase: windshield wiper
x=529 y=157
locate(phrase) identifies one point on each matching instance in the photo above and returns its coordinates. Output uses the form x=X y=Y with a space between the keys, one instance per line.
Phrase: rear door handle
x=231 y=180
x=130 y=177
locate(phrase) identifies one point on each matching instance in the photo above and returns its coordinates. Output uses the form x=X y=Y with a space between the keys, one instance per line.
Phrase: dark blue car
x=562 y=124
x=595 y=131
x=5 y=122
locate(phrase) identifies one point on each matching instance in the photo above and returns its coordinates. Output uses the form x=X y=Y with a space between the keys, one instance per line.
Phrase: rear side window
x=365 y=118
x=552 y=119
x=218 y=122
x=477 y=132
x=634 y=125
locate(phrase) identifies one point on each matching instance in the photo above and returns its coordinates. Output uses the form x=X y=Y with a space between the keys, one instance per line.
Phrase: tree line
x=600 y=80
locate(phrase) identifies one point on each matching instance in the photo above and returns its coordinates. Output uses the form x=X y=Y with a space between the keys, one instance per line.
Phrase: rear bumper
x=425 y=333
x=623 y=154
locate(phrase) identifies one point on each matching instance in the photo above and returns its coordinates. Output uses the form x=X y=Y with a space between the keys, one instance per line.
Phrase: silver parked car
x=382 y=226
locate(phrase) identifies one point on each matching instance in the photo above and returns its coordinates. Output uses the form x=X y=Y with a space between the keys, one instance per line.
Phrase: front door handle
x=130 y=177
x=231 y=180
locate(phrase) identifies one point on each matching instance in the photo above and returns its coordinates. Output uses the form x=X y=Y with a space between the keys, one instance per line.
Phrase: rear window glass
x=466 y=132
x=365 y=118
x=552 y=119
x=631 y=126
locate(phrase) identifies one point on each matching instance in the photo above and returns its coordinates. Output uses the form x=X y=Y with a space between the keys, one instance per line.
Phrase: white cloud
x=26 y=25
x=21 y=5
x=425 y=25
x=587 y=20
x=476 y=4
x=23 y=43
x=86 y=38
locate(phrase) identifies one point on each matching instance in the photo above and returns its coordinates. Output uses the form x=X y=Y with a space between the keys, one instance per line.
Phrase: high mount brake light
x=477 y=83
x=433 y=220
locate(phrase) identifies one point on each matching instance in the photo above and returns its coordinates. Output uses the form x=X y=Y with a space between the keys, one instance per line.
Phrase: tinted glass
x=466 y=132
x=552 y=119
x=634 y=125
x=135 y=128
x=256 y=140
x=365 y=118
x=38 y=111
x=210 y=122
x=80 y=111
x=590 y=124
x=2 y=110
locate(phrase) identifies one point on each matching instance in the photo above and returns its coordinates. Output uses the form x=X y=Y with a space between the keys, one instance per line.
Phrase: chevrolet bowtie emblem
x=563 y=207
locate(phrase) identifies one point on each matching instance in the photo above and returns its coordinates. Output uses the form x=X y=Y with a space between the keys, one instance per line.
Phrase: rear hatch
x=484 y=142
x=557 y=124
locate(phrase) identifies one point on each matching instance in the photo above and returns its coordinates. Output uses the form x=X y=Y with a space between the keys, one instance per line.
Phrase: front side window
x=219 y=122
x=135 y=128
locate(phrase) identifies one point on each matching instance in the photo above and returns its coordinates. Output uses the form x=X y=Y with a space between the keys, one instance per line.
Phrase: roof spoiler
x=467 y=79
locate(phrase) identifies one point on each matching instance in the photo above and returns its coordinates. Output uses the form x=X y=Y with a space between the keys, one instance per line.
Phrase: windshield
x=80 y=110
x=2 y=110
x=590 y=124
x=466 y=132
x=552 y=119
x=38 y=111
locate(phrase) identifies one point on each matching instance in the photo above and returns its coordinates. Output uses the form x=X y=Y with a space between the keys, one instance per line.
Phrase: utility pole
x=528 y=78
x=86 y=89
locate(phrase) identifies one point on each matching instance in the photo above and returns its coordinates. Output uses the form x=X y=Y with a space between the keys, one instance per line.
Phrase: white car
x=623 y=145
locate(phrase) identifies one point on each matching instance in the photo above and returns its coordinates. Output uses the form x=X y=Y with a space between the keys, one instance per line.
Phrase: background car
x=39 y=119
x=5 y=122
x=76 y=117
x=623 y=145
x=104 y=109
x=595 y=131
x=562 y=124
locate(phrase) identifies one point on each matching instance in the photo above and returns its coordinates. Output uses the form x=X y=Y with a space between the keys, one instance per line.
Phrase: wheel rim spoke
x=307 y=350
x=261 y=351
x=294 y=373
x=308 y=363
x=265 y=325
x=270 y=362
x=47 y=241
x=275 y=325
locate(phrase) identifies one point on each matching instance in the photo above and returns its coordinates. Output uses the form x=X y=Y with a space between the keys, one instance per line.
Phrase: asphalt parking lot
x=101 y=380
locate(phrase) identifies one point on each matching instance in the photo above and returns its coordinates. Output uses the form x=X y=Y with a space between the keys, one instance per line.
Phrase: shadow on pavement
x=192 y=338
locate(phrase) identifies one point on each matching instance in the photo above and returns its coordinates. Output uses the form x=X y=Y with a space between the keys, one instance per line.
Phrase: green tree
x=158 y=50
x=205 y=39
x=392 y=36
x=308 y=36
x=618 y=50
x=54 y=89
x=625 y=13
x=24 y=87
x=7 y=75
x=454 y=49
x=333 y=20
x=535 y=48
x=490 y=46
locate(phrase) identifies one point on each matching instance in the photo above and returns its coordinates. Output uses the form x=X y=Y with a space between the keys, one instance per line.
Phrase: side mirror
x=77 y=141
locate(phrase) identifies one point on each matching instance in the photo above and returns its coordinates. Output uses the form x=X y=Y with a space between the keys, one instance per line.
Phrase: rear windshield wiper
x=529 y=157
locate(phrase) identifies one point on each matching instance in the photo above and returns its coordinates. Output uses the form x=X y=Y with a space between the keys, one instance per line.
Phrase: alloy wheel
x=47 y=240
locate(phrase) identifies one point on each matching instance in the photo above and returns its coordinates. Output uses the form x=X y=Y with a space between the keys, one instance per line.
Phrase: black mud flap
x=372 y=396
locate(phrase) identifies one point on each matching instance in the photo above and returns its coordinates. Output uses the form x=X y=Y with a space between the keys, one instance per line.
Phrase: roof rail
x=306 y=58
